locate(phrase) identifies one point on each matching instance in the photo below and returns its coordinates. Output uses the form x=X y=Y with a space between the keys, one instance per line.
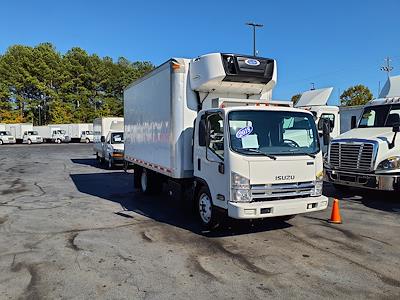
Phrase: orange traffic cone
x=335 y=216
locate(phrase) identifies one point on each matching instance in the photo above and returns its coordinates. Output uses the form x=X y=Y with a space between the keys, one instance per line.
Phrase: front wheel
x=206 y=210
x=29 y=142
x=58 y=141
x=110 y=162
x=87 y=141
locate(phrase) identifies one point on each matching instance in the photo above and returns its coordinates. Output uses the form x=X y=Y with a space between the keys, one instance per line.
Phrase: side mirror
x=102 y=139
x=326 y=131
x=353 y=123
x=396 y=128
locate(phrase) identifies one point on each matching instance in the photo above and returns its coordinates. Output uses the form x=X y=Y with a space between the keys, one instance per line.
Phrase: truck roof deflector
x=391 y=88
x=317 y=97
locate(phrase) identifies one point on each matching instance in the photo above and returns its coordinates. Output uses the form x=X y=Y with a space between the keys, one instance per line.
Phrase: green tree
x=74 y=87
x=356 y=95
x=295 y=98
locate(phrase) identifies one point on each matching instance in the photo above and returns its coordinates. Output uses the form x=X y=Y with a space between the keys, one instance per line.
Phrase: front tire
x=87 y=141
x=58 y=141
x=29 y=142
x=110 y=163
x=206 y=210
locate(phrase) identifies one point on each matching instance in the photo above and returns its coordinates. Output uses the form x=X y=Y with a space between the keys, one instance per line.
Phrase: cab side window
x=330 y=117
x=215 y=126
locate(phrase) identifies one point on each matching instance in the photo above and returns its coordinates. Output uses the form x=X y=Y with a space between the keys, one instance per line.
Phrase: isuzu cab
x=203 y=130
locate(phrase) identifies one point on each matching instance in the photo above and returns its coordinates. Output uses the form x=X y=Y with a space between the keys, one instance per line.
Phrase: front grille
x=356 y=157
x=267 y=192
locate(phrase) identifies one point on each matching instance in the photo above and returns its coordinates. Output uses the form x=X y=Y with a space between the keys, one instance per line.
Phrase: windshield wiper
x=304 y=153
x=260 y=152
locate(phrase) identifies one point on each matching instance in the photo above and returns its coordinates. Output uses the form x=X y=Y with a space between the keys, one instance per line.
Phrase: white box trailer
x=53 y=133
x=101 y=129
x=205 y=128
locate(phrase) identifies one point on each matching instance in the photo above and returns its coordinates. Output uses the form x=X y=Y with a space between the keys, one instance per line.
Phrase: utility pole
x=254 y=25
x=387 y=68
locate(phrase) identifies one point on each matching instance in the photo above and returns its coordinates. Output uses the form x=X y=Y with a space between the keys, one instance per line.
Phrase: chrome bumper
x=368 y=181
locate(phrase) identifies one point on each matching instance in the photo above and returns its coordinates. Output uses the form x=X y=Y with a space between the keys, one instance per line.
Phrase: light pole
x=39 y=107
x=254 y=25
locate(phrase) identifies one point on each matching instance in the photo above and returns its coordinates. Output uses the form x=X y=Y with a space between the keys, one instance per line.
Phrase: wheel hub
x=205 y=208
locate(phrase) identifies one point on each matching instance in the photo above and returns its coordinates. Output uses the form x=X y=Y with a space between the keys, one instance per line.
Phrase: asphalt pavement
x=72 y=229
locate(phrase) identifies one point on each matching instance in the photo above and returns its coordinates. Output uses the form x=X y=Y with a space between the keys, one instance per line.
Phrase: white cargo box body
x=46 y=131
x=101 y=127
x=2 y=127
x=159 y=114
x=17 y=130
x=74 y=131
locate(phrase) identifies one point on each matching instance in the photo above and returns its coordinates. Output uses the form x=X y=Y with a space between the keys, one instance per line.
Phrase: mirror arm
x=391 y=145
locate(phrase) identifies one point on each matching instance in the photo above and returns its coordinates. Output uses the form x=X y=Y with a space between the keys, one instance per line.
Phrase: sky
x=330 y=43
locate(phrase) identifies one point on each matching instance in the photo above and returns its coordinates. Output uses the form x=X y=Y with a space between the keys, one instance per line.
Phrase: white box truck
x=24 y=133
x=53 y=133
x=108 y=142
x=78 y=132
x=369 y=156
x=5 y=136
x=203 y=126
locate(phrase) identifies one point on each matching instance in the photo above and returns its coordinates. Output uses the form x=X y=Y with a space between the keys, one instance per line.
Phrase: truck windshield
x=380 y=116
x=117 y=138
x=273 y=133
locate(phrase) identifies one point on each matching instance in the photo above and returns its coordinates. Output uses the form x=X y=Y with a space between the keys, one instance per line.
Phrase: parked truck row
x=26 y=133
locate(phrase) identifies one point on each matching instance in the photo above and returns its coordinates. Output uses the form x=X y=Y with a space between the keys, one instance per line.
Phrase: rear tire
x=207 y=213
x=150 y=182
x=145 y=185
x=1 y=142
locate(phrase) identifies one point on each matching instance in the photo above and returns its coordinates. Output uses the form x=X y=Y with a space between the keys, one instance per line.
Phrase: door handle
x=198 y=164
x=221 y=168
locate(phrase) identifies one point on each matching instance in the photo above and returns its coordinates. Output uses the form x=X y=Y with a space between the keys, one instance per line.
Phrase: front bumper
x=7 y=141
x=369 y=181
x=276 y=208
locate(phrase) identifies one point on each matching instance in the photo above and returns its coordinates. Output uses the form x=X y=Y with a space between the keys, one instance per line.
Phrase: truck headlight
x=318 y=185
x=240 y=188
x=391 y=163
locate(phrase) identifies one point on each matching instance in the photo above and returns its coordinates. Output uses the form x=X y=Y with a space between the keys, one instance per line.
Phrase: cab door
x=209 y=156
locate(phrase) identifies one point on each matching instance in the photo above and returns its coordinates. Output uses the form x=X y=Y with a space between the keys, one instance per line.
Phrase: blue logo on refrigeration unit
x=252 y=62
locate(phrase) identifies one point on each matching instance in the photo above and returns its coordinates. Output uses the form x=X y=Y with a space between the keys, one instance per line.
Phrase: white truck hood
x=377 y=134
x=381 y=135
